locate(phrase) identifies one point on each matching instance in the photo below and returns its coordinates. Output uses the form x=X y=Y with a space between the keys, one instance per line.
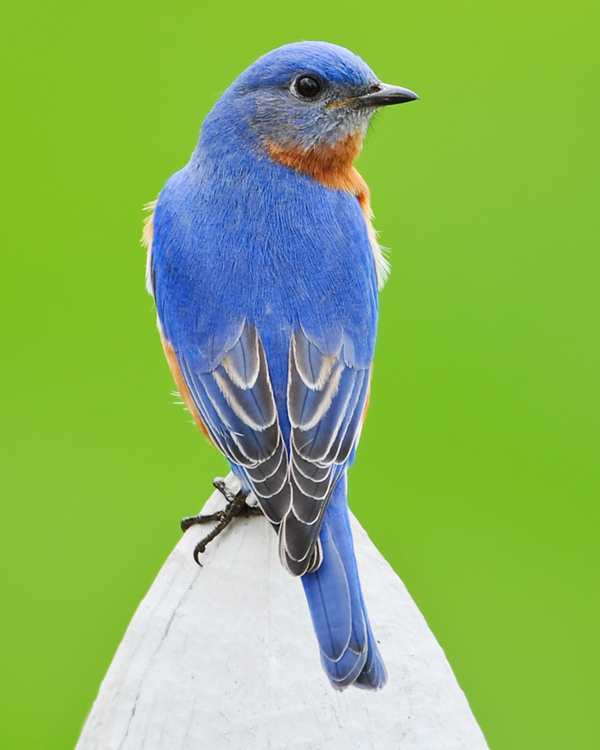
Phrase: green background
x=477 y=475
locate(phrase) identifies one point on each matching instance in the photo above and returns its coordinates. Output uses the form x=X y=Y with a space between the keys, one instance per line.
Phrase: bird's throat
x=330 y=166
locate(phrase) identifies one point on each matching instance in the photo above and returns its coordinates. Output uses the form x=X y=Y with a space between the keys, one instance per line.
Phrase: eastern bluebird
x=265 y=269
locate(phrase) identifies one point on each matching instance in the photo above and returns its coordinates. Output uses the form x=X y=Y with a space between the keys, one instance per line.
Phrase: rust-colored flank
x=184 y=391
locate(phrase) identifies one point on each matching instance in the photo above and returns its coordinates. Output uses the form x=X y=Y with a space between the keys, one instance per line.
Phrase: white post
x=224 y=656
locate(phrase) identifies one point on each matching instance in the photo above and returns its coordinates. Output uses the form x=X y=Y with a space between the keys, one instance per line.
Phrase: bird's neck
x=329 y=165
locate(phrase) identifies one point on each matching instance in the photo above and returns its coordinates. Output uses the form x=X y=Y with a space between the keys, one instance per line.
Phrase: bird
x=265 y=270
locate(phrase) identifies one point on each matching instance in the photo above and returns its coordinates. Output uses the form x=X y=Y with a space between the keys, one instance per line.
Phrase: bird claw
x=193 y=520
x=236 y=506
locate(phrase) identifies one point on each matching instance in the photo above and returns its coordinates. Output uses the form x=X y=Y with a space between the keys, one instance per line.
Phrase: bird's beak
x=384 y=95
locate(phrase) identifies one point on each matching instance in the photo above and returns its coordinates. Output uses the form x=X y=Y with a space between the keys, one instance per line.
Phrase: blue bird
x=265 y=269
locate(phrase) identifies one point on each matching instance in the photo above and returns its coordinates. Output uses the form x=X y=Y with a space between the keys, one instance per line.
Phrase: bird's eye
x=307 y=86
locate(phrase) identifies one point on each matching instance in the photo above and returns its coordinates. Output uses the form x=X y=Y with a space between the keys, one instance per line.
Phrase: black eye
x=307 y=86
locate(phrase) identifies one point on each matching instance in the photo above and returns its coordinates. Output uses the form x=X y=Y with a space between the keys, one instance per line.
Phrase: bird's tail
x=349 y=653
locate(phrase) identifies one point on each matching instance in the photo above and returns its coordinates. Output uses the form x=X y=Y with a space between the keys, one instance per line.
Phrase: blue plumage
x=348 y=650
x=265 y=280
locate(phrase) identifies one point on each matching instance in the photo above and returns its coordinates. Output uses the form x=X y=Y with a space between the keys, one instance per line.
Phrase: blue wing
x=238 y=409
x=325 y=404
x=325 y=400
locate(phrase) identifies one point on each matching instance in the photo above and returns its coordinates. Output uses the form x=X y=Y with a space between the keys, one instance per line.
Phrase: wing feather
x=293 y=480
x=325 y=398
x=237 y=405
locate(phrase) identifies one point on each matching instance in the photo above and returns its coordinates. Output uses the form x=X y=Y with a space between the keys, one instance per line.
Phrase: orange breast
x=329 y=165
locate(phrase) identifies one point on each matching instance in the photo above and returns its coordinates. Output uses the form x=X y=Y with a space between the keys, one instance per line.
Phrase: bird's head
x=310 y=100
x=311 y=93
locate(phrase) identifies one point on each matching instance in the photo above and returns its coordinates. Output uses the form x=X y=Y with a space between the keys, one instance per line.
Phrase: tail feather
x=349 y=653
x=373 y=675
x=346 y=671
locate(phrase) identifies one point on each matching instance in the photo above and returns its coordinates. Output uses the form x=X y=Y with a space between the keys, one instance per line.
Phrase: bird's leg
x=236 y=506
x=188 y=521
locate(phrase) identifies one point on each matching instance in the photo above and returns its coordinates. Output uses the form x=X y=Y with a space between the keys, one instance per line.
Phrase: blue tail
x=349 y=653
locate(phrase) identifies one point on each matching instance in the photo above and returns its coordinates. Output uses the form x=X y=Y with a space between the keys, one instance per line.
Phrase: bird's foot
x=236 y=506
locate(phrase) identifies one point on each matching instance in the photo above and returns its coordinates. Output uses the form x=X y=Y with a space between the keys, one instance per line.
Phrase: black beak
x=385 y=94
